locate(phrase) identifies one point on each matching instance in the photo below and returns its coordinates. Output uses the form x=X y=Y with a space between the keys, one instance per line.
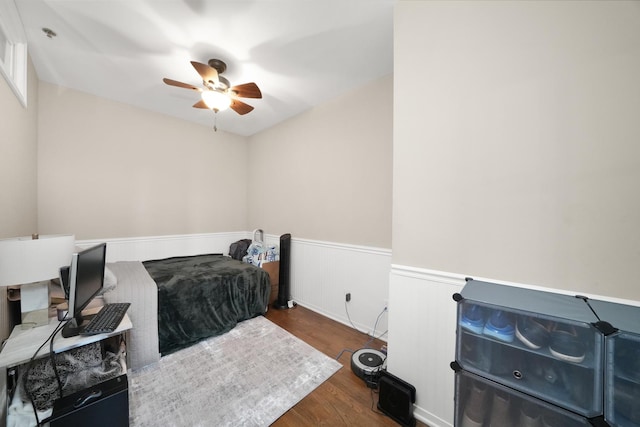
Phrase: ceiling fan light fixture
x=218 y=94
x=215 y=100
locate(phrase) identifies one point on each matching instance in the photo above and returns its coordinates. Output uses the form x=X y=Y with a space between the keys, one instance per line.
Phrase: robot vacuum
x=367 y=363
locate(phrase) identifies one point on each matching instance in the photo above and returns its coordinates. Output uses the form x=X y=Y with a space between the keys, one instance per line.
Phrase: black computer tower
x=285 y=268
x=103 y=405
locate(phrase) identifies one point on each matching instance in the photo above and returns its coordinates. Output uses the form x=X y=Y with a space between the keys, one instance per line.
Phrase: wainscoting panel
x=322 y=273
x=422 y=330
x=421 y=311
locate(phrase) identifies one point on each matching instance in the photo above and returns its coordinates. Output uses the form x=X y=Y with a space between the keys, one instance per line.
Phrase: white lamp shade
x=26 y=260
x=216 y=100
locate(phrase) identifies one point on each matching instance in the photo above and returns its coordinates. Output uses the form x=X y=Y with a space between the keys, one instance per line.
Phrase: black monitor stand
x=76 y=325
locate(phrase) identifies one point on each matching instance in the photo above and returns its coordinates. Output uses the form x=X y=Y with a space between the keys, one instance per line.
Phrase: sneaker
x=566 y=344
x=533 y=332
x=472 y=318
x=529 y=415
x=500 y=406
x=475 y=352
x=504 y=360
x=545 y=370
x=500 y=326
x=552 y=419
x=474 y=408
x=468 y=422
x=576 y=386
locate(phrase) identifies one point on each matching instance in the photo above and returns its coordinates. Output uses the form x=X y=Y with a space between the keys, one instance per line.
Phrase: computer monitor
x=64 y=280
x=86 y=278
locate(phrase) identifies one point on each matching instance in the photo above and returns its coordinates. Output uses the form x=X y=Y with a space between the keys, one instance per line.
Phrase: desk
x=23 y=343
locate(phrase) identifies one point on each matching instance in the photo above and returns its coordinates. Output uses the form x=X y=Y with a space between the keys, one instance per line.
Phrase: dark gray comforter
x=204 y=295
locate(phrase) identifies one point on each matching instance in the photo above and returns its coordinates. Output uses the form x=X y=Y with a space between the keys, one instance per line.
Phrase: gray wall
x=326 y=174
x=18 y=160
x=18 y=171
x=516 y=159
x=110 y=170
x=516 y=153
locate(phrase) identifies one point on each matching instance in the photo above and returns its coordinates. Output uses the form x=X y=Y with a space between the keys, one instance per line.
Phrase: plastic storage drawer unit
x=622 y=363
x=481 y=402
x=542 y=344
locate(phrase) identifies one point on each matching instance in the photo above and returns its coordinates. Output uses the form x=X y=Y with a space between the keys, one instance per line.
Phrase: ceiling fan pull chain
x=215 y=121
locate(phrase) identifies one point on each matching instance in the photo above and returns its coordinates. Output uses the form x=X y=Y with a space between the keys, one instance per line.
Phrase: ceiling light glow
x=217 y=101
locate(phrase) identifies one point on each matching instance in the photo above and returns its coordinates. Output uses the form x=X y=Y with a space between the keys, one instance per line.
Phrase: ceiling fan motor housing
x=219 y=65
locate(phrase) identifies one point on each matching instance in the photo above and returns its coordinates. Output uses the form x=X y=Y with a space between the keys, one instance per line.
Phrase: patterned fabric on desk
x=77 y=368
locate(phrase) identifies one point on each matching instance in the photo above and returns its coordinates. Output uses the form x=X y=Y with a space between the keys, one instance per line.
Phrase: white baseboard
x=429 y=419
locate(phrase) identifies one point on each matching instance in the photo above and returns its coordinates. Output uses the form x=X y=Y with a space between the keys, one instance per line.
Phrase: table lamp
x=32 y=262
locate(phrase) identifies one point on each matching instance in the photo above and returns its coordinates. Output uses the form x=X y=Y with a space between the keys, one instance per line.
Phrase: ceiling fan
x=218 y=94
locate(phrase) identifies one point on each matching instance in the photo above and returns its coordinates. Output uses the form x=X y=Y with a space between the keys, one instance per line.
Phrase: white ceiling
x=299 y=52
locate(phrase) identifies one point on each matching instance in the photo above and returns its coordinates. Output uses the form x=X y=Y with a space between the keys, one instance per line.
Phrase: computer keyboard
x=107 y=319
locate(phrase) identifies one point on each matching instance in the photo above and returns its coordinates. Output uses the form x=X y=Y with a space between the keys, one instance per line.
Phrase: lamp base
x=34 y=304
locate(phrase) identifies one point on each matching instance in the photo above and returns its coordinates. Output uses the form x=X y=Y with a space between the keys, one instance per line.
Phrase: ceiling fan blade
x=247 y=90
x=180 y=84
x=240 y=107
x=201 y=104
x=208 y=74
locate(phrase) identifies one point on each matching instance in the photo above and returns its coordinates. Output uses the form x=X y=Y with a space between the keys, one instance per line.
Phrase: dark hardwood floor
x=344 y=399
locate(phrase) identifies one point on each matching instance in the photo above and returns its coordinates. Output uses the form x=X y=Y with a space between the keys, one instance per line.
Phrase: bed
x=176 y=302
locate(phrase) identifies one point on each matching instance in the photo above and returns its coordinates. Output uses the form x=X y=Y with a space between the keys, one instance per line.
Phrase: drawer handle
x=82 y=400
x=517 y=374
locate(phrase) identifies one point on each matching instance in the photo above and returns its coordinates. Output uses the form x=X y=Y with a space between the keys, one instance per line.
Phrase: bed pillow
x=110 y=280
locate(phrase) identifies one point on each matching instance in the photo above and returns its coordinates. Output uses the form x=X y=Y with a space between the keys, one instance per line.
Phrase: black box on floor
x=103 y=405
x=396 y=398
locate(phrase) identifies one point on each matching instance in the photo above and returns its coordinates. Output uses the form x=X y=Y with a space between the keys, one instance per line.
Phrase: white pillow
x=110 y=280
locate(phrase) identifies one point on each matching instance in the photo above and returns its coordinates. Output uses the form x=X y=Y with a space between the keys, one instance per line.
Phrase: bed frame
x=232 y=292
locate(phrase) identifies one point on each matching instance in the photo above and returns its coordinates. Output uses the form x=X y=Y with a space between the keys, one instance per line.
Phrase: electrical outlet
x=347 y=296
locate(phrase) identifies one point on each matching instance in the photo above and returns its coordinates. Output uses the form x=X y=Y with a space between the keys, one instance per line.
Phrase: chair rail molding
x=157 y=247
x=321 y=272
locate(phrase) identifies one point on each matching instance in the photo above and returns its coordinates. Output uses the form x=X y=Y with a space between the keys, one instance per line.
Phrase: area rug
x=249 y=376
